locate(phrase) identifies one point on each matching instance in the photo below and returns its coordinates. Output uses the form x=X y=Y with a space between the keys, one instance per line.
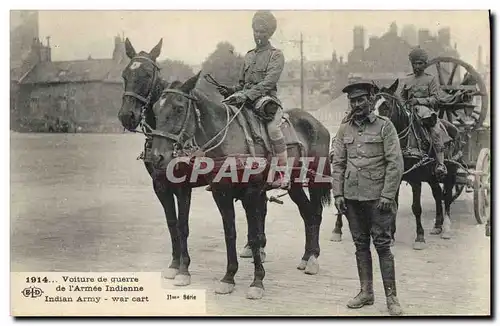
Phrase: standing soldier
x=367 y=167
x=422 y=92
x=257 y=85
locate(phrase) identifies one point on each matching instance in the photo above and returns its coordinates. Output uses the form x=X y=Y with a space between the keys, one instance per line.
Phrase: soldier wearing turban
x=257 y=86
x=420 y=90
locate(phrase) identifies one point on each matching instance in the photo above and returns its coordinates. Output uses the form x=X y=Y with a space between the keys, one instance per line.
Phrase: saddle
x=253 y=124
x=423 y=138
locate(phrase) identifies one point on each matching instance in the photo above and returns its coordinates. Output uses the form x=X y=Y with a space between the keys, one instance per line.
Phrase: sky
x=191 y=36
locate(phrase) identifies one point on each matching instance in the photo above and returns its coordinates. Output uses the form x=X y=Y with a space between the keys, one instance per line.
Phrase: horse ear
x=129 y=49
x=394 y=86
x=155 y=52
x=189 y=84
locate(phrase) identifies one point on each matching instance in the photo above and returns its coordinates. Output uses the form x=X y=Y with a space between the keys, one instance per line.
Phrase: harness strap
x=137 y=96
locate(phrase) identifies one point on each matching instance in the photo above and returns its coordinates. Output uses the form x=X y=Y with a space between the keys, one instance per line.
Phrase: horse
x=185 y=115
x=418 y=163
x=143 y=86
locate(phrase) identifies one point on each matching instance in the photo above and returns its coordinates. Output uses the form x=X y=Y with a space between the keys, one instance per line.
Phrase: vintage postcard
x=250 y=163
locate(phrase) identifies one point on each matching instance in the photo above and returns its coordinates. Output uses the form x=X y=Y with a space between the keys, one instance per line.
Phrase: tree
x=175 y=70
x=224 y=65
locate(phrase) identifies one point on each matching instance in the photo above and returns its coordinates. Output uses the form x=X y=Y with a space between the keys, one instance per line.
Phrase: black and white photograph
x=258 y=162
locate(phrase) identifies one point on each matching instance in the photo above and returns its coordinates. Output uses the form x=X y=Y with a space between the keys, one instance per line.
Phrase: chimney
x=44 y=51
x=119 y=49
x=423 y=36
x=359 y=37
x=444 y=36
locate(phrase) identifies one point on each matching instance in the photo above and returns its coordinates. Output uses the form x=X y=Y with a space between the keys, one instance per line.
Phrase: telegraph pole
x=301 y=73
x=301 y=45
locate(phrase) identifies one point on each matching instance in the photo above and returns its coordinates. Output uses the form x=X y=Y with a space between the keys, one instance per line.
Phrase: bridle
x=184 y=144
x=146 y=101
x=426 y=159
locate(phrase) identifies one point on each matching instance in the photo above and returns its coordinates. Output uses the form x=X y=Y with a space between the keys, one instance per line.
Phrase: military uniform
x=259 y=77
x=257 y=84
x=367 y=164
x=424 y=89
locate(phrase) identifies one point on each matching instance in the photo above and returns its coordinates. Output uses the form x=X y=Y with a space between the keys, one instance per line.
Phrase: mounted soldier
x=421 y=91
x=367 y=166
x=257 y=86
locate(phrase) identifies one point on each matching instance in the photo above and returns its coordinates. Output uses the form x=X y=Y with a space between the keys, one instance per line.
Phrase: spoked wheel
x=472 y=106
x=482 y=207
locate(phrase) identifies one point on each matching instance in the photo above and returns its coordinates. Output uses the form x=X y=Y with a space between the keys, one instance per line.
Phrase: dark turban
x=264 y=18
x=418 y=54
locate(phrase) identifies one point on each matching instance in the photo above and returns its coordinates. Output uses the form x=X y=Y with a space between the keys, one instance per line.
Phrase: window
x=33 y=106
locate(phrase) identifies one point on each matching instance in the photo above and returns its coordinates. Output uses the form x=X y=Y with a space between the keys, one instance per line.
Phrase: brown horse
x=184 y=115
x=419 y=162
x=143 y=85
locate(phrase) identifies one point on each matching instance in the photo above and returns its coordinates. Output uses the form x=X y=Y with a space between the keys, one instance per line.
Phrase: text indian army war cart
x=466 y=105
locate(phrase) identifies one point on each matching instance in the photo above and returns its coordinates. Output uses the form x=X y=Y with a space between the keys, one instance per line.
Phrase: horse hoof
x=170 y=273
x=312 y=266
x=436 y=231
x=302 y=265
x=182 y=280
x=255 y=293
x=336 y=237
x=224 y=288
x=446 y=235
x=419 y=245
x=246 y=252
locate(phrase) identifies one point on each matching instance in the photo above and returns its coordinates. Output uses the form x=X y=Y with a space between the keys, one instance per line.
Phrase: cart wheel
x=482 y=208
x=457 y=191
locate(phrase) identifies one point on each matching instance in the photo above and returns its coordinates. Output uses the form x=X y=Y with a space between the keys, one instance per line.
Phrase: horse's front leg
x=393 y=223
x=448 y=199
x=183 y=193
x=225 y=204
x=166 y=197
x=246 y=252
x=416 y=207
x=437 y=193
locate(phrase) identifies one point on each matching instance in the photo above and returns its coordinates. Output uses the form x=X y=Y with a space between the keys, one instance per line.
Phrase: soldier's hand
x=237 y=98
x=385 y=204
x=340 y=204
x=224 y=91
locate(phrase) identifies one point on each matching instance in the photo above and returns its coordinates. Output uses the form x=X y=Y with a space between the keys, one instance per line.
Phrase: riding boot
x=387 y=268
x=365 y=273
x=441 y=170
x=279 y=147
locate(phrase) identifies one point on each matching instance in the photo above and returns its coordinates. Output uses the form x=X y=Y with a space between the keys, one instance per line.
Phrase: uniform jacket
x=424 y=88
x=261 y=72
x=367 y=162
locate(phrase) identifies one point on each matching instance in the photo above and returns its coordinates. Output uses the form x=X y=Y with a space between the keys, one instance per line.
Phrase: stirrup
x=280 y=183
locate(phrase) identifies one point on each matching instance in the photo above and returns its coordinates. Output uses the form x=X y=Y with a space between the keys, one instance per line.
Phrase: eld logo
x=32 y=292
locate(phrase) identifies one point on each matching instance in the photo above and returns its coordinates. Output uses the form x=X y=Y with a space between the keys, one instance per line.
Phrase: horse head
x=386 y=101
x=175 y=121
x=142 y=83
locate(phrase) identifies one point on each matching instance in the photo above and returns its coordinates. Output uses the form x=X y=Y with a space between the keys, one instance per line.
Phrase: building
x=387 y=56
x=87 y=94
